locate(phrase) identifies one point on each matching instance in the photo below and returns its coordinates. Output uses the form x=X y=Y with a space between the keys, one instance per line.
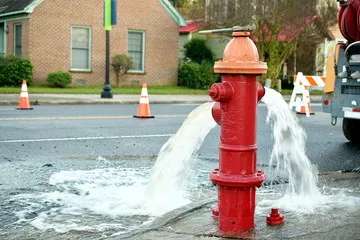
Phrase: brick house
x=68 y=35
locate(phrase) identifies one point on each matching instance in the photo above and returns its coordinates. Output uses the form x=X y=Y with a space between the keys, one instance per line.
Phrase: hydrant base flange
x=251 y=180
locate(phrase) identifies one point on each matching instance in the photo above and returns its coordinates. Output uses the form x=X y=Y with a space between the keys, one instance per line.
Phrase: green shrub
x=196 y=50
x=59 y=79
x=121 y=64
x=194 y=75
x=208 y=77
x=15 y=69
x=189 y=75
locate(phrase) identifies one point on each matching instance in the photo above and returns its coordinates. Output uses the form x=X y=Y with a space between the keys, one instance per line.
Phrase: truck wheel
x=351 y=129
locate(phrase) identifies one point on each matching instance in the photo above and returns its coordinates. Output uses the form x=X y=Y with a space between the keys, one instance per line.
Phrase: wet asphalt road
x=35 y=144
x=52 y=135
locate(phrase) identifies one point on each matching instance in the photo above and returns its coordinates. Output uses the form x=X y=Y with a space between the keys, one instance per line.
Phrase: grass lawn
x=97 y=90
x=120 y=90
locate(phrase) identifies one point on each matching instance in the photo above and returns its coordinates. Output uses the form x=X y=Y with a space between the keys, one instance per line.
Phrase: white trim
x=174 y=14
x=143 y=49
x=30 y=8
x=90 y=49
x=11 y=13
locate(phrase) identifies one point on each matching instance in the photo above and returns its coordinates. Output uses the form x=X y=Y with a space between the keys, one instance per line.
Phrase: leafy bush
x=189 y=75
x=59 y=79
x=15 y=69
x=198 y=76
x=196 y=50
x=121 y=64
x=207 y=74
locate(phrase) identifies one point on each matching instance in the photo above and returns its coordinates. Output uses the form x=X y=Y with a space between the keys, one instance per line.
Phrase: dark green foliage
x=197 y=76
x=189 y=75
x=121 y=64
x=15 y=69
x=207 y=74
x=59 y=79
x=196 y=50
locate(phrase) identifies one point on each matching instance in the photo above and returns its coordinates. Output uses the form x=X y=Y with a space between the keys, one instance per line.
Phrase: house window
x=136 y=49
x=17 y=39
x=2 y=39
x=80 y=48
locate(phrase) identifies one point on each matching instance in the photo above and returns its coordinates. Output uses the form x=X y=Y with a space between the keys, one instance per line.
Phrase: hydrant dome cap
x=241 y=56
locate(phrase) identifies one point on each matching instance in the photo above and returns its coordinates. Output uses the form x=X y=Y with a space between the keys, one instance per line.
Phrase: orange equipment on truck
x=341 y=95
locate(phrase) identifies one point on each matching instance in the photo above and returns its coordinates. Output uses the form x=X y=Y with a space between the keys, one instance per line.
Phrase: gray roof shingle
x=8 y=6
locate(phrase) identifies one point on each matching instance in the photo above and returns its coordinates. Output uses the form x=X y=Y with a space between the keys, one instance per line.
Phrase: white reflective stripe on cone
x=24 y=94
x=144 y=100
x=23 y=87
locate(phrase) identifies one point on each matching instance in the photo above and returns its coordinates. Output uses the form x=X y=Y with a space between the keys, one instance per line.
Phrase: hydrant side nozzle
x=216 y=113
x=221 y=92
x=261 y=91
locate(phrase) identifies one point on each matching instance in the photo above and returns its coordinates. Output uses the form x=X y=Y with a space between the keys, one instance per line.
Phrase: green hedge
x=198 y=76
x=59 y=79
x=15 y=69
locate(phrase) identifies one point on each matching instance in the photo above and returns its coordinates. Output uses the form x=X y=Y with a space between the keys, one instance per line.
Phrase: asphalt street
x=36 y=144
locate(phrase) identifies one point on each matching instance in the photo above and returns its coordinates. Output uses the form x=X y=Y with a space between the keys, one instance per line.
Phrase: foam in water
x=302 y=194
x=121 y=198
x=166 y=178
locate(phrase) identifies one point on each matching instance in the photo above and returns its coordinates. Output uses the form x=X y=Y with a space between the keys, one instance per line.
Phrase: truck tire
x=351 y=129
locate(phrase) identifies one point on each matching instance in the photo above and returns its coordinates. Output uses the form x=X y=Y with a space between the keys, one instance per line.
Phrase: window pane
x=135 y=42
x=80 y=38
x=18 y=45
x=137 y=61
x=80 y=59
x=80 y=52
x=2 y=44
x=135 y=50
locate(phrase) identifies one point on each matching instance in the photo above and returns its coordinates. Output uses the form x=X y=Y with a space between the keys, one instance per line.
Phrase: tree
x=121 y=64
x=189 y=9
x=280 y=24
x=196 y=50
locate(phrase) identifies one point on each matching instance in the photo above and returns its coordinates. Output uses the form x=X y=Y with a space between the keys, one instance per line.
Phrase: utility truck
x=341 y=96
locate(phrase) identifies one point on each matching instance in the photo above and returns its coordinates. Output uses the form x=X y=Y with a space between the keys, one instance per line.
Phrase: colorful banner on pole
x=110 y=7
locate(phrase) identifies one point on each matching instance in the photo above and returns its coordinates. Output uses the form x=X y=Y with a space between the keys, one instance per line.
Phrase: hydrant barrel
x=237 y=176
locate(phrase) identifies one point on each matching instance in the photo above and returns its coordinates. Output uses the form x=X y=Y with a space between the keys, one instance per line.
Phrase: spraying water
x=289 y=152
x=302 y=194
x=166 y=180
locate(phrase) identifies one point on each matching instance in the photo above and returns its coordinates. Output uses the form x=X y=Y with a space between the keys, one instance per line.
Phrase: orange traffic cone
x=24 y=103
x=302 y=109
x=144 y=106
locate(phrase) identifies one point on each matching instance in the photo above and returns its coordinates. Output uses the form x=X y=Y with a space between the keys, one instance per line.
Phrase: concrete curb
x=73 y=99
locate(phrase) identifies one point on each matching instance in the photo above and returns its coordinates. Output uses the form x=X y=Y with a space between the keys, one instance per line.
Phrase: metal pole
x=106 y=93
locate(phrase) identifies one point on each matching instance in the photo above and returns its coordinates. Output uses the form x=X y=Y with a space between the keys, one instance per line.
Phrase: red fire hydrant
x=238 y=95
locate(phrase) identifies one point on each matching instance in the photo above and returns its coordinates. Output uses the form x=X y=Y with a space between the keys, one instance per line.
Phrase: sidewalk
x=52 y=99
x=336 y=219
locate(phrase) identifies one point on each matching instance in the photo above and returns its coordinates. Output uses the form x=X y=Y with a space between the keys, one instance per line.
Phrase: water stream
x=302 y=194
